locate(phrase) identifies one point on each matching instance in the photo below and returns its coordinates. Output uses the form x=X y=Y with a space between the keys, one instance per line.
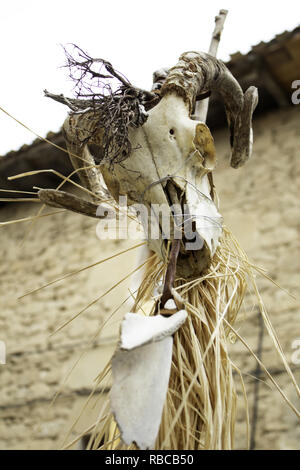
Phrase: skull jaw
x=198 y=245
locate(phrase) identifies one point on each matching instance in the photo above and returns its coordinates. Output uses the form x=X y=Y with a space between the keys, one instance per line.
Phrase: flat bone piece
x=139 y=329
x=141 y=370
x=138 y=393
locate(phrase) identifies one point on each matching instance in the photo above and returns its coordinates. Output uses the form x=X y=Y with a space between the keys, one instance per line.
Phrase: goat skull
x=173 y=155
x=173 y=150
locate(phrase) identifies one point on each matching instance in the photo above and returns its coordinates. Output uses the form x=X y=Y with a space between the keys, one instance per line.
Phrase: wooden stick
x=170 y=273
x=201 y=107
x=175 y=248
x=200 y=114
x=63 y=200
x=216 y=37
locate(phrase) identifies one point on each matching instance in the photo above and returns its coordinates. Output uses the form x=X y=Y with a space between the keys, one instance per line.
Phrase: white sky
x=137 y=37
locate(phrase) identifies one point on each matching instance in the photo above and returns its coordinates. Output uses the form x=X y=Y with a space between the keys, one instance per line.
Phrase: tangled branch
x=114 y=101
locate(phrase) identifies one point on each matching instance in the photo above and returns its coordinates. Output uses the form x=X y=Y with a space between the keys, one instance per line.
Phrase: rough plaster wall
x=37 y=363
x=260 y=204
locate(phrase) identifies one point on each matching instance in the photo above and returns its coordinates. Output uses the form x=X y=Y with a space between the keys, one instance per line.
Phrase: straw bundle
x=199 y=411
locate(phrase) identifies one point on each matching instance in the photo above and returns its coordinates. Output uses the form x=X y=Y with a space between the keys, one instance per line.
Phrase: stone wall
x=259 y=203
x=39 y=361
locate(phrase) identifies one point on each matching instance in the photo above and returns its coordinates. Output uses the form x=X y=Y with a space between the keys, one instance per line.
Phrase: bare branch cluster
x=114 y=101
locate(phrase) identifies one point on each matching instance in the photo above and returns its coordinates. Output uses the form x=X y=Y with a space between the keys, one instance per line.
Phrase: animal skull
x=172 y=149
x=173 y=157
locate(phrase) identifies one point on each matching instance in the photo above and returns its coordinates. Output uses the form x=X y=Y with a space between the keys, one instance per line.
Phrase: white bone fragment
x=170 y=305
x=138 y=393
x=177 y=297
x=141 y=369
x=137 y=329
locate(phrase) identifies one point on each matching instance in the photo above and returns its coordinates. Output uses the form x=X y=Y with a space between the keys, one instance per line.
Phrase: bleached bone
x=140 y=383
x=140 y=329
x=141 y=369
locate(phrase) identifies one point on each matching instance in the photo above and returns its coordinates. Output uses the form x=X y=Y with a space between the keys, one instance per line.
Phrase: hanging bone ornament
x=141 y=369
x=147 y=146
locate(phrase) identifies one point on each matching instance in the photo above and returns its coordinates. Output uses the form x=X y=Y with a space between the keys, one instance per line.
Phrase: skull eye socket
x=171 y=132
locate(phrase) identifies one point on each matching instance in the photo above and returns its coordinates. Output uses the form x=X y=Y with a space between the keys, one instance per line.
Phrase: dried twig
x=201 y=107
x=113 y=102
x=61 y=199
x=200 y=114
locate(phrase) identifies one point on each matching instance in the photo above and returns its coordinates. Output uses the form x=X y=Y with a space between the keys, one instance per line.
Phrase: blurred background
x=259 y=202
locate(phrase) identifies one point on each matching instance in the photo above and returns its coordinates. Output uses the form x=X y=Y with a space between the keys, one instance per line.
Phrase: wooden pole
x=202 y=106
x=200 y=114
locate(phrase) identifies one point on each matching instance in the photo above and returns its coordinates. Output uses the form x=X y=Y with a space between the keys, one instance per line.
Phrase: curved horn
x=198 y=73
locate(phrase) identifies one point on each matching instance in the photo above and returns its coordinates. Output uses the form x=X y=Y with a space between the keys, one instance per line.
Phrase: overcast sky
x=138 y=37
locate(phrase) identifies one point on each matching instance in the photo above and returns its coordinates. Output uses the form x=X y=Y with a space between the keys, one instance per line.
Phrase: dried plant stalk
x=201 y=107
